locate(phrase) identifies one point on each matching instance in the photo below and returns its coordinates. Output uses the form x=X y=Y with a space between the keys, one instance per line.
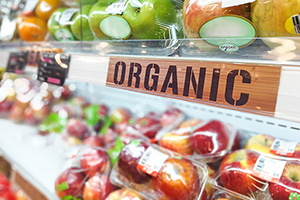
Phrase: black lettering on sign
x=230 y=84
x=172 y=71
x=136 y=74
x=198 y=89
x=214 y=85
x=153 y=77
x=117 y=72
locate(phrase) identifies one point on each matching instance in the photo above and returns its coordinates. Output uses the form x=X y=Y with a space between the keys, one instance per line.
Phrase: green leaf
x=114 y=152
x=135 y=142
x=107 y=124
x=91 y=114
x=53 y=123
x=69 y=197
x=63 y=186
x=294 y=196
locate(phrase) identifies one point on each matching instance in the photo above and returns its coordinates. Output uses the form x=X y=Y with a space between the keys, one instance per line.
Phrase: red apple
x=170 y=116
x=128 y=161
x=261 y=143
x=210 y=138
x=236 y=172
x=177 y=143
x=77 y=128
x=127 y=138
x=93 y=160
x=289 y=182
x=297 y=152
x=97 y=187
x=148 y=125
x=120 y=115
x=70 y=182
x=178 y=179
x=121 y=128
x=196 y=13
x=93 y=141
x=124 y=194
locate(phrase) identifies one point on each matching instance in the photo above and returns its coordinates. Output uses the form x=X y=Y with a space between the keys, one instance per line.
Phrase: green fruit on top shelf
x=115 y=27
x=58 y=31
x=80 y=26
x=270 y=16
x=97 y=14
x=151 y=19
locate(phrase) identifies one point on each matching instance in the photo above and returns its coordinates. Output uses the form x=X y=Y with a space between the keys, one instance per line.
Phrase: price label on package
x=283 y=148
x=54 y=68
x=117 y=7
x=268 y=169
x=17 y=62
x=151 y=161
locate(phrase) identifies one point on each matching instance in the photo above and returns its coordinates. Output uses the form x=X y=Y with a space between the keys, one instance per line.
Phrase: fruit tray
x=154 y=172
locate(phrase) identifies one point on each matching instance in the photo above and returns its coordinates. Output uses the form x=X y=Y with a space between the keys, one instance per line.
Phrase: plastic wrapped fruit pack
x=156 y=173
x=204 y=141
x=87 y=177
x=246 y=174
x=267 y=144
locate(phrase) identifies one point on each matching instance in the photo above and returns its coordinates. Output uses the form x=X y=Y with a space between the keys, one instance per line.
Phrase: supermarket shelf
x=284 y=51
x=32 y=155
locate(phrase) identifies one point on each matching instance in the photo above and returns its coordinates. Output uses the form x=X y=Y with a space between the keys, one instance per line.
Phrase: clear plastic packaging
x=172 y=176
x=246 y=174
x=204 y=141
x=87 y=177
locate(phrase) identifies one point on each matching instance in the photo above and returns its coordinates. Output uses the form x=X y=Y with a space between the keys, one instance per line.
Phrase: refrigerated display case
x=250 y=83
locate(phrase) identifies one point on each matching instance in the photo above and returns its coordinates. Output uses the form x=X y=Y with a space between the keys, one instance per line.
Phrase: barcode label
x=283 y=148
x=296 y=23
x=268 y=169
x=151 y=161
x=117 y=7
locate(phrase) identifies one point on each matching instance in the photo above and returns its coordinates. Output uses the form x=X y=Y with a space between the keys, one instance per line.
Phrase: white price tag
x=230 y=3
x=151 y=161
x=268 y=169
x=117 y=7
x=284 y=148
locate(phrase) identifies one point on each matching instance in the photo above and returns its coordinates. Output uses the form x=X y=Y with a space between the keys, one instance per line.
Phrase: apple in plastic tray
x=98 y=187
x=235 y=172
x=93 y=160
x=212 y=140
x=289 y=182
x=148 y=125
x=70 y=183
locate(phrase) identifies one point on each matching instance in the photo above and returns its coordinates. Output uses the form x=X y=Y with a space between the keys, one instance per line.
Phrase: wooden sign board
x=239 y=86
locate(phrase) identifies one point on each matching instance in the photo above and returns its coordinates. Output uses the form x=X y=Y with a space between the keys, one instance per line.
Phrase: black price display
x=54 y=68
x=17 y=62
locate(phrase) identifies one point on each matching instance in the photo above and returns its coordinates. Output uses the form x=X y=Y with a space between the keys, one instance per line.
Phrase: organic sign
x=241 y=86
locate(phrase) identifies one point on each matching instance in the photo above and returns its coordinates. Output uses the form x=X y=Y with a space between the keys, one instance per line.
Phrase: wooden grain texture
x=259 y=83
x=27 y=187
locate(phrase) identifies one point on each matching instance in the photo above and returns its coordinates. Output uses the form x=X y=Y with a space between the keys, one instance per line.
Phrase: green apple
x=59 y=32
x=97 y=14
x=151 y=19
x=80 y=26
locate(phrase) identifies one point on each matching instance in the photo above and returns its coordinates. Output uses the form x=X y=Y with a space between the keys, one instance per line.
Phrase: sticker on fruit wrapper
x=117 y=7
x=228 y=32
x=294 y=196
x=283 y=148
x=66 y=16
x=63 y=35
x=292 y=24
x=53 y=68
x=151 y=161
x=17 y=62
x=230 y=3
x=268 y=169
